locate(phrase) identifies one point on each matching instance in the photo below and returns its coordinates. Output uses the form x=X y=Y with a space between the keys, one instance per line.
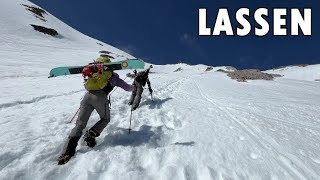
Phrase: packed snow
x=198 y=124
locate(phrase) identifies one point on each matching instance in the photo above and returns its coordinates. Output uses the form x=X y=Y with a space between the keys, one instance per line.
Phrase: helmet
x=103 y=59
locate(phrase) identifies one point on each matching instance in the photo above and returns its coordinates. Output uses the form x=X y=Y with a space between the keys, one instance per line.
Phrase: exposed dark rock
x=221 y=70
x=45 y=30
x=106 y=55
x=38 y=12
x=228 y=69
x=100 y=44
x=104 y=52
x=209 y=69
x=179 y=69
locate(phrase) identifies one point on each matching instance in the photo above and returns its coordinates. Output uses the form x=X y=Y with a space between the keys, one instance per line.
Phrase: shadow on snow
x=146 y=135
x=155 y=103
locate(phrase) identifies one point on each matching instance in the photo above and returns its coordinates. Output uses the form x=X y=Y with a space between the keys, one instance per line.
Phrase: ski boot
x=90 y=138
x=70 y=151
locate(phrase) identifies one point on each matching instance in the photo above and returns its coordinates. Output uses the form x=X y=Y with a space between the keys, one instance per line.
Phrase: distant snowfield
x=201 y=125
x=308 y=73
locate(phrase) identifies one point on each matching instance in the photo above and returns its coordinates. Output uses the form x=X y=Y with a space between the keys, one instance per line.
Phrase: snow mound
x=305 y=72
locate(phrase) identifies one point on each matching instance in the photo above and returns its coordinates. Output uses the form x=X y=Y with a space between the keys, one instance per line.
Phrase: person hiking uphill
x=99 y=84
x=141 y=79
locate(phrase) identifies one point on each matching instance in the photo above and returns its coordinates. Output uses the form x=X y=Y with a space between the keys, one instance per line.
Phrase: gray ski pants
x=136 y=95
x=93 y=100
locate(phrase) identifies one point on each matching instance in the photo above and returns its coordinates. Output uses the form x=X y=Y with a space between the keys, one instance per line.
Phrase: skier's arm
x=116 y=81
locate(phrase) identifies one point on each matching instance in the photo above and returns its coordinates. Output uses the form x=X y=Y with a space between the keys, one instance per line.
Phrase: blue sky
x=166 y=31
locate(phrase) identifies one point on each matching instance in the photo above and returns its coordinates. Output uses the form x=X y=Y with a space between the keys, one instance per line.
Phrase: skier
x=141 y=79
x=99 y=84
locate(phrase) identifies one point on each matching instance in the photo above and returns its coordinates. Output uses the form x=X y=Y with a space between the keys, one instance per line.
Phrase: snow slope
x=307 y=73
x=201 y=125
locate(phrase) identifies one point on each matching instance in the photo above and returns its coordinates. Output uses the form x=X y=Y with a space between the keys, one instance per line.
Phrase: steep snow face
x=199 y=125
x=22 y=46
x=307 y=73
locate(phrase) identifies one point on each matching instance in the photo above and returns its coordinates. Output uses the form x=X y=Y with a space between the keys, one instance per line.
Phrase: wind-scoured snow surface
x=200 y=125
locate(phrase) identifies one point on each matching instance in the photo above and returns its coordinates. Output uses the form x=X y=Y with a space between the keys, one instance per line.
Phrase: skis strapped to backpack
x=120 y=65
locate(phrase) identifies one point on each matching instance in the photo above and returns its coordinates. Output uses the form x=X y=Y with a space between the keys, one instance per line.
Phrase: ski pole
x=130 y=121
x=74 y=115
x=77 y=110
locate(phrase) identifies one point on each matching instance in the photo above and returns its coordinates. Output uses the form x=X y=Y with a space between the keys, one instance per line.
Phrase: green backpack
x=98 y=80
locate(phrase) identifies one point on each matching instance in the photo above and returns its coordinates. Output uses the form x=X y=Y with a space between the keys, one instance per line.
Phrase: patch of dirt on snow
x=249 y=74
x=45 y=30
